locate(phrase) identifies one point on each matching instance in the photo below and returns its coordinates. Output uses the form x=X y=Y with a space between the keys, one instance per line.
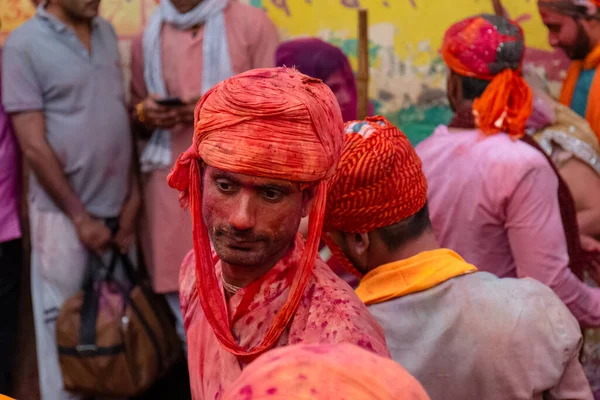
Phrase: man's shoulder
x=246 y=14
x=23 y=36
x=332 y=286
x=187 y=275
x=524 y=305
x=330 y=312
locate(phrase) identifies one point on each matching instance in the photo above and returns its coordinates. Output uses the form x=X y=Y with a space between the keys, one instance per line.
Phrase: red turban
x=274 y=123
x=325 y=372
x=491 y=48
x=379 y=182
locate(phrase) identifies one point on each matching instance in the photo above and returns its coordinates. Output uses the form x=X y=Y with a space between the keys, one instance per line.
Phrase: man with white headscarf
x=187 y=47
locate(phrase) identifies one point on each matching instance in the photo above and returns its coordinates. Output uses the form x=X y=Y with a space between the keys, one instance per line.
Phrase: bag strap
x=96 y=272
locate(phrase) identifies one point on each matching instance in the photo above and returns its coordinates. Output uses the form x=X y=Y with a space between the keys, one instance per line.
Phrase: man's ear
x=454 y=90
x=358 y=243
x=308 y=198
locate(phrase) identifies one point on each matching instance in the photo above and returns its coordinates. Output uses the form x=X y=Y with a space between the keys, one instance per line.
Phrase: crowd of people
x=238 y=176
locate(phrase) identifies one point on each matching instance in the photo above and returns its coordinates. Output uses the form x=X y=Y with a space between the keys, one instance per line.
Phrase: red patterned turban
x=379 y=182
x=491 y=48
x=274 y=123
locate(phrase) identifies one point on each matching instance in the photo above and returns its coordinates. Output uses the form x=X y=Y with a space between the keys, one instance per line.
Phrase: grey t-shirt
x=46 y=67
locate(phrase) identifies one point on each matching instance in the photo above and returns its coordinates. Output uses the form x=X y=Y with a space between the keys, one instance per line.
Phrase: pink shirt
x=494 y=201
x=9 y=178
x=329 y=312
x=166 y=228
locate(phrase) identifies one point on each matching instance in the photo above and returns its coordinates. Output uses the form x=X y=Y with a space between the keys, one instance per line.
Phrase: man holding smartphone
x=187 y=47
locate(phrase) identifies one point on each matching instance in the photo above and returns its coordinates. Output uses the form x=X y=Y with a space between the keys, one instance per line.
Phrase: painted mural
x=407 y=73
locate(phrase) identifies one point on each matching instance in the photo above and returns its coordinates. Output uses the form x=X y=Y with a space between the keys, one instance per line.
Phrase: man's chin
x=240 y=258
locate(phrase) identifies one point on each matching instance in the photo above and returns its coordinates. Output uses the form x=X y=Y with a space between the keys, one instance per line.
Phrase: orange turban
x=379 y=182
x=325 y=372
x=491 y=48
x=274 y=123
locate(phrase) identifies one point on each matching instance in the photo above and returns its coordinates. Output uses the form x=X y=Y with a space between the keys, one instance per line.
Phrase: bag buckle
x=86 y=348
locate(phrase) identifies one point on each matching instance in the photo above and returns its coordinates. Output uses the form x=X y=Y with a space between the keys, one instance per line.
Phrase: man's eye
x=272 y=194
x=225 y=186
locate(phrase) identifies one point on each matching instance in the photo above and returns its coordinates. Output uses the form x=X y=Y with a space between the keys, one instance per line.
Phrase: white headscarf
x=216 y=64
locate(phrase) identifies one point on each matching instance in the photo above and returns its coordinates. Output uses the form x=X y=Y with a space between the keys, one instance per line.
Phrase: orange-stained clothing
x=329 y=312
x=167 y=229
x=592 y=110
x=325 y=372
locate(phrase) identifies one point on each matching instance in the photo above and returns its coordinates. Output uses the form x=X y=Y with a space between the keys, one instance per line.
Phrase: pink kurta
x=329 y=312
x=252 y=40
x=494 y=201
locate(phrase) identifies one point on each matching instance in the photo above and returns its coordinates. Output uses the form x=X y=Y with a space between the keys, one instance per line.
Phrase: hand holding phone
x=170 y=102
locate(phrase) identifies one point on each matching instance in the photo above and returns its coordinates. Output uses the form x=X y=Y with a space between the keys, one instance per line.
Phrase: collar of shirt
x=54 y=22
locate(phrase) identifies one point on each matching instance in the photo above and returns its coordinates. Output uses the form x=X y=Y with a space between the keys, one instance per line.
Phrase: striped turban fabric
x=274 y=123
x=491 y=48
x=379 y=182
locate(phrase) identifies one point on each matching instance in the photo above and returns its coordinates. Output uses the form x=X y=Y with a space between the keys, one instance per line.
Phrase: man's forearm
x=49 y=174
x=30 y=130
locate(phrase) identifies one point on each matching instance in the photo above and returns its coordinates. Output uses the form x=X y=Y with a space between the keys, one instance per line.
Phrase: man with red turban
x=574 y=27
x=463 y=334
x=265 y=143
x=497 y=200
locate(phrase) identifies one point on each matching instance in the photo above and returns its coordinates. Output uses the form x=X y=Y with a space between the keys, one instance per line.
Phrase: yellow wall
x=407 y=77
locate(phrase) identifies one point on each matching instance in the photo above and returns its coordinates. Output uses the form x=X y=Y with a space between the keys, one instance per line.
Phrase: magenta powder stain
x=272 y=391
x=246 y=390
x=365 y=344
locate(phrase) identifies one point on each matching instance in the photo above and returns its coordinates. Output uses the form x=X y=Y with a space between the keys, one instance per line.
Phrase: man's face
x=343 y=93
x=566 y=33
x=81 y=9
x=251 y=221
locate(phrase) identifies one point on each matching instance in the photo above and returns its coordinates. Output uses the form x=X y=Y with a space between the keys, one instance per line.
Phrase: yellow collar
x=411 y=275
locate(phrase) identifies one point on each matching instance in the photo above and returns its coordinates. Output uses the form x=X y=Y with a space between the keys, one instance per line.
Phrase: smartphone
x=170 y=102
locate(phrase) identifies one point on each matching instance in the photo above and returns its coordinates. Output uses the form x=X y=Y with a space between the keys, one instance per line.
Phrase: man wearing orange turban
x=574 y=27
x=265 y=143
x=496 y=200
x=325 y=372
x=463 y=334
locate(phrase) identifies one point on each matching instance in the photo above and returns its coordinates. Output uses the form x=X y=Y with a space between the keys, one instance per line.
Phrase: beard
x=581 y=47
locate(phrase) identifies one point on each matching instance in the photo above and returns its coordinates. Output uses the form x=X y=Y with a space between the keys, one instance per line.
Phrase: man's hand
x=126 y=234
x=94 y=234
x=185 y=114
x=157 y=116
x=589 y=244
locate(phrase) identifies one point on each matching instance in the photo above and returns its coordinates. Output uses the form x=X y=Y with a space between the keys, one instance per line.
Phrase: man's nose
x=243 y=213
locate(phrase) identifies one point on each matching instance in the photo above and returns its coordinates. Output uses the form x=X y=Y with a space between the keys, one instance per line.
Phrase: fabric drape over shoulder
x=325 y=372
x=275 y=123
